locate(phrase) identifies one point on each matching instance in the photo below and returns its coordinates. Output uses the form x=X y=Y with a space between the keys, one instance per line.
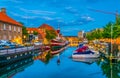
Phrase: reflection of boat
x=58 y=60
x=8 y=71
x=57 y=42
x=88 y=61
x=58 y=51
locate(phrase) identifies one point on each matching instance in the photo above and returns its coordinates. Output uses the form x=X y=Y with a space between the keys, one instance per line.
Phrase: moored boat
x=85 y=52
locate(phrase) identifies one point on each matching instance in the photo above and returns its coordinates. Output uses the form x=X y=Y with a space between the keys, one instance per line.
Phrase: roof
x=46 y=26
x=7 y=19
x=37 y=30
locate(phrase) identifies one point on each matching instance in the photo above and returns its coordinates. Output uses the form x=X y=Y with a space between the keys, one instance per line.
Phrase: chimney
x=3 y=10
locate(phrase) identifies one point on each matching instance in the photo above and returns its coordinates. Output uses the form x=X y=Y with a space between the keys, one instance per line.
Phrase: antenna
x=58 y=26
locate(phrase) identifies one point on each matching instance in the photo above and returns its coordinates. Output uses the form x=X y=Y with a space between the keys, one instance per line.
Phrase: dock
x=13 y=55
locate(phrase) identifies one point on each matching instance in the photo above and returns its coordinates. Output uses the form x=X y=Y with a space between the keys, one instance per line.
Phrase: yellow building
x=74 y=41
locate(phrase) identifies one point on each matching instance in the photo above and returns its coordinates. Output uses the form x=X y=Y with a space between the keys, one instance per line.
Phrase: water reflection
x=44 y=57
x=61 y=66
x=111 y=69
x=87 y=61
x=10 y=70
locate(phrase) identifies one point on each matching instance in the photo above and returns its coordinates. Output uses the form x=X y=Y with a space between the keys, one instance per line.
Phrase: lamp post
x=24 y=38
x=111 y=40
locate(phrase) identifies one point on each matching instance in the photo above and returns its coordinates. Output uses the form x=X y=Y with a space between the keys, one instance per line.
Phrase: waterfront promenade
x=17 y=50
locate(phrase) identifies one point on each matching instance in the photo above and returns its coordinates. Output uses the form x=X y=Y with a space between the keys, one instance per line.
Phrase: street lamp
x=24 y=38
x=111 y=39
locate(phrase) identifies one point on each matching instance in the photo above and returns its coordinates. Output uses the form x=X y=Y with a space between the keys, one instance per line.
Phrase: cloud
x=93 y=1
x=14 y=1
x=24 y=16
x=47 y=18
x=87 y=18
x=84 y=19
x=37 y=11
x=71 y=10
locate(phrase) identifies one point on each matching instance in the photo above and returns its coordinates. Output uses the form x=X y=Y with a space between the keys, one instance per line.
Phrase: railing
x=16 y=50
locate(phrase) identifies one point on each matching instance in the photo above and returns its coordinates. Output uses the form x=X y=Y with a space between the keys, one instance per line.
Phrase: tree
x=107 y=32
x=50 y=34
x=24 y=32
x=35 y=33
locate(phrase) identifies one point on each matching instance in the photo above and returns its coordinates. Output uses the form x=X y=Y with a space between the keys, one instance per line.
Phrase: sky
x=71 y=16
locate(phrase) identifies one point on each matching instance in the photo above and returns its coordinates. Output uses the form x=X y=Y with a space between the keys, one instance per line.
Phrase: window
x=10 y=37
x=10 y=27
x=14 y=28
x=14 y=37
x=18 y=29
x=4 y=27
x=31 y=31
x=4 y=37
x=28 y=31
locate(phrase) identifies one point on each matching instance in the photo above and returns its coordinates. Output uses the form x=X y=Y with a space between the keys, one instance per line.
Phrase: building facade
x=81 y=34
x=73 y=40
x=9 y=28
x=38 y=37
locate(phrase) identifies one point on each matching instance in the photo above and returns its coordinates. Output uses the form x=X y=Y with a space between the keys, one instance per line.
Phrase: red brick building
x=9 y=28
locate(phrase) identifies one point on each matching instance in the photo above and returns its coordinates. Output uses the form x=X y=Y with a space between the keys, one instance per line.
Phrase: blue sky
x=71 y=15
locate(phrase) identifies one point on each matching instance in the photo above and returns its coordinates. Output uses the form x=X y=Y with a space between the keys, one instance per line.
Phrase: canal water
x=69 y=68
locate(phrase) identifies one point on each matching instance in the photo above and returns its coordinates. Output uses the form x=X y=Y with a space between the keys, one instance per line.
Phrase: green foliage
x=35 y=33
x=95 y=34
x=50 y=34
x=108 y=67
x=107 y=32
x=47 y=58
x=24 y=30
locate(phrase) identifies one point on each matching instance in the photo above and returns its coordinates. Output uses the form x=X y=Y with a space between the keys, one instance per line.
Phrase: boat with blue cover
x=84 y=52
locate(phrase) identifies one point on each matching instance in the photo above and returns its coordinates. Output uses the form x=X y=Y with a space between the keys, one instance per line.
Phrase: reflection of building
x=8 y=71
x=9 y=28
x=73 y=40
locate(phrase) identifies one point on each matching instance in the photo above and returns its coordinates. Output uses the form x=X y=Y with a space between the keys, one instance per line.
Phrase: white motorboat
x=86 y=54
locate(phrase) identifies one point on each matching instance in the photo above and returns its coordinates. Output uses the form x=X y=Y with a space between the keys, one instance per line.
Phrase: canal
x=68 y=68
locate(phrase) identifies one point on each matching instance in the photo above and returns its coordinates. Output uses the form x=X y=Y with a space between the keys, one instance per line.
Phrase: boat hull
x=76 y=56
